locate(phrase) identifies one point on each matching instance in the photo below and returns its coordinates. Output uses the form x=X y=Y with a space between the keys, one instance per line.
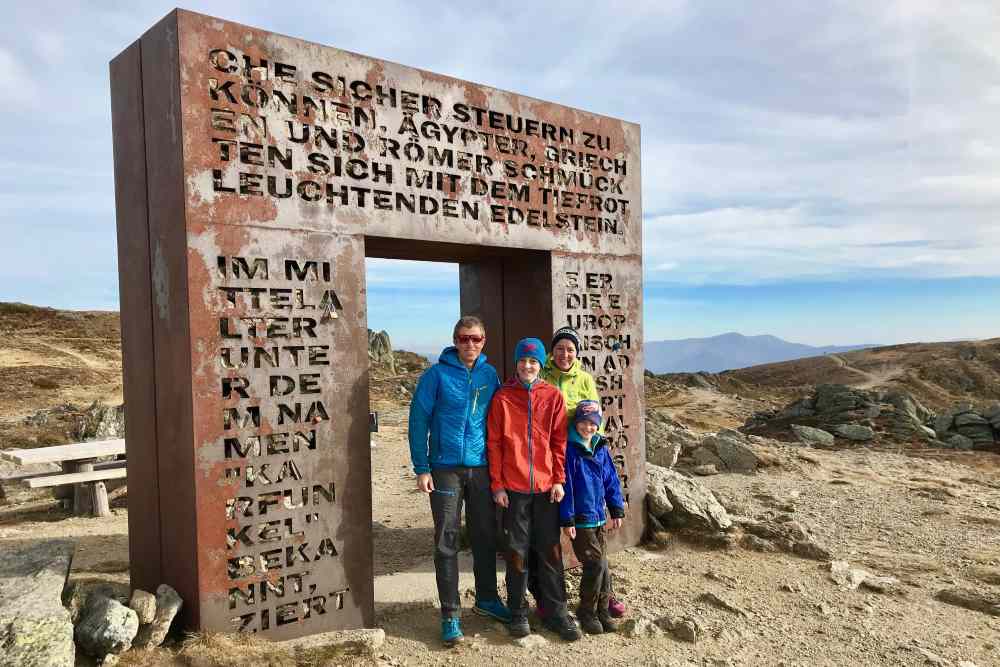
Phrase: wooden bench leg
x=64 y=493
x=100 y=500
x=83 y=496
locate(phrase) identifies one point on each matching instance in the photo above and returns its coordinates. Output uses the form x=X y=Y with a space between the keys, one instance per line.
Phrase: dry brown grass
x=225 y=650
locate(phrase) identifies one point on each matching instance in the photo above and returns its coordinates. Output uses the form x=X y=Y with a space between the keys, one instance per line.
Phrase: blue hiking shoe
x=451 y=631
x=494 y=609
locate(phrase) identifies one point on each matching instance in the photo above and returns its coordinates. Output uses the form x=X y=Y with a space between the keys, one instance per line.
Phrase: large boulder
x=691 y=504
x=732 y=448
x=666 y=440
x=106 y=626
x=974 y=427
x=380 y=350
x=992 y=414
x=906 y=404
x=943 y=424
x=804 y=407
x=959 y=441
x=832 y=399
x=35 y=629
x=813 y=436
x=101 y=422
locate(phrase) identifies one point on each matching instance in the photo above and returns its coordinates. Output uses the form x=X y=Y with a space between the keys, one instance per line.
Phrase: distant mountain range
x=728 y=351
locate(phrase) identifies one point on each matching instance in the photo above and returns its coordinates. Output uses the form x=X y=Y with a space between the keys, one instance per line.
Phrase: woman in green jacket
x=563 y=370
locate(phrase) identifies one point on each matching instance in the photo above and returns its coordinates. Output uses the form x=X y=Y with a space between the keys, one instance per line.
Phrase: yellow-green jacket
x=575 y=384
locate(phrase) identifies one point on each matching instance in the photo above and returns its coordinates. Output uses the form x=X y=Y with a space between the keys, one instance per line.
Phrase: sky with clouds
x=825 y=172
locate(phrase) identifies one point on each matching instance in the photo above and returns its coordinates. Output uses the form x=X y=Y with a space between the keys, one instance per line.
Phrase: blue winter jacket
x=591 y=483
x=448 y=413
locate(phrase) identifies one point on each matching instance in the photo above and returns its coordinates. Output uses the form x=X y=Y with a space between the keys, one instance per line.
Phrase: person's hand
x=500 y=498
x=615 y=524
x=557 y=493
x=425 y=482
x=570 y=532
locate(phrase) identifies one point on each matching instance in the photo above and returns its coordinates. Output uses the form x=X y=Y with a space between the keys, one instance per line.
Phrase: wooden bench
x=80 y=469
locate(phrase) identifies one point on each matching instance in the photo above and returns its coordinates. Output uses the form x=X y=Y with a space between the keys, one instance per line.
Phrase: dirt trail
x=871 y=380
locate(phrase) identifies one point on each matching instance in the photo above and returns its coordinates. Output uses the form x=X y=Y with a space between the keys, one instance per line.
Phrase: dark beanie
x=570 y=334
x=530 y=347
x=588 y=411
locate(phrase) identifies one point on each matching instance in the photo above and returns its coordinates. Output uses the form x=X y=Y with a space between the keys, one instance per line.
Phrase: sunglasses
x=470 y=339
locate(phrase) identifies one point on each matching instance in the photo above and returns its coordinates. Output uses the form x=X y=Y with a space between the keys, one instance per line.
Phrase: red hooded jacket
x=526 y=437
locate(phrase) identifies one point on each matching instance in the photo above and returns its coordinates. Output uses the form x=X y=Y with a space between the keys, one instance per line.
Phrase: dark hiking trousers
x=531 y=525
x=452 y=488
x=595 y=584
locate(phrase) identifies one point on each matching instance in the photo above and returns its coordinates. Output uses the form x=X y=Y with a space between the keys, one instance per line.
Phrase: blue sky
x=825 y=172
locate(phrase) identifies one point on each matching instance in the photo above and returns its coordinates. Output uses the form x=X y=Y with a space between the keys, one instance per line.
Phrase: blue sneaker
x=451 y=631
x=494 y=609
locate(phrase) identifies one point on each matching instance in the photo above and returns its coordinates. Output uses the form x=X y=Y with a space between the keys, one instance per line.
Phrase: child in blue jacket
x=591 y=484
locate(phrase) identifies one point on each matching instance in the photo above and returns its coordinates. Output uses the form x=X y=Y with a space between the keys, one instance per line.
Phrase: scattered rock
x=754 y=543
x=812 y=550
x=959 y=441
x=987 y=575
x=969 y=599
x=686 y=629
x=640 y=628
x=705 y=470
x=362 y=642
x=813 y=436
x=144 y=605
x=106 y=626
x=881 y=584
x=851 y=578
x=793 y=587
x=35 y=629
x=168 y=603
x=716 y=601
x=854 y=432
x=845 y=576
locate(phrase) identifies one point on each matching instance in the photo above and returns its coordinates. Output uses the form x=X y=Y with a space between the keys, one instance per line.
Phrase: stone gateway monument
x=254 y=173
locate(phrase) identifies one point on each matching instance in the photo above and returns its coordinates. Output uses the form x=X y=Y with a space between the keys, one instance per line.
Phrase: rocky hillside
x=938 y=375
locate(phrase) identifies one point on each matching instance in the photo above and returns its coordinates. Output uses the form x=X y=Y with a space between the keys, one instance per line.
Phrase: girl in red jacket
x=526 y=451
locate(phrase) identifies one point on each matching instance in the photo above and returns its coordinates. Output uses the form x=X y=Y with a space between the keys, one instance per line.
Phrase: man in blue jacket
x=448 y=450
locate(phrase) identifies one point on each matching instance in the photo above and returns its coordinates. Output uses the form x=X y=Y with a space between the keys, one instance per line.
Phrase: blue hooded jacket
x=591 y=483
x=448 y=413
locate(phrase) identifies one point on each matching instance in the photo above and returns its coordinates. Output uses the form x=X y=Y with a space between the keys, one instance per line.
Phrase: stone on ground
x=969 y=599
x=143 y=604
x=168 y=603
x=809 y=435
x=532 y=641
x=640 y=628
x=959 y=441
x=854 y=432
x=106 y=626
x=35 y=629
x=363 y=642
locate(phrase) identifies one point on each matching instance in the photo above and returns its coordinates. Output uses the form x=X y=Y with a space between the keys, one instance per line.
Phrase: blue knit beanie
x=530 y=347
